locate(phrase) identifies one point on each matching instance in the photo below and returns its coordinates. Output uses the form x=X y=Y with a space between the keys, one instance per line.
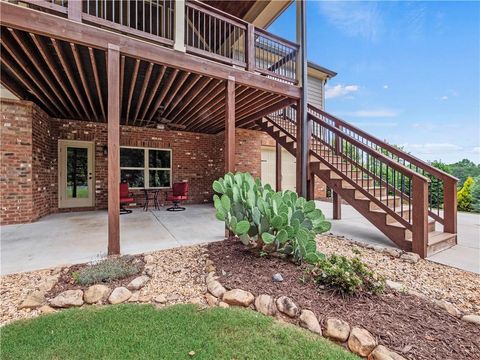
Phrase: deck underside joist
x=69 y=81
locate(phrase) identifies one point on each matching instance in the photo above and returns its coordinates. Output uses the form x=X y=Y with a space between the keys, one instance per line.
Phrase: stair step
x=439 y=241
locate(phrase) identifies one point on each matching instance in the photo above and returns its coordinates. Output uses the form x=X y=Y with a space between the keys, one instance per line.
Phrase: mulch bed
x=66 y=281
x=407 y=324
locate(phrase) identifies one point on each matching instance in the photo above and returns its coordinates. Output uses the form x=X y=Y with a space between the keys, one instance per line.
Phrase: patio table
x=151 y=194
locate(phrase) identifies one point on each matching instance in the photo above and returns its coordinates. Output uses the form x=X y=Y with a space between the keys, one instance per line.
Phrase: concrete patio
x=77 y=237
x=465 y=255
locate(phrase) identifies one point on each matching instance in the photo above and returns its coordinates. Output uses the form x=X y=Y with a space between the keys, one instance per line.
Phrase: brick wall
x=16 y=162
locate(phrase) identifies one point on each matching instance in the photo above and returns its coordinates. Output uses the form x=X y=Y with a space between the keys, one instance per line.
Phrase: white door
x=75 y=173
x=289 y=169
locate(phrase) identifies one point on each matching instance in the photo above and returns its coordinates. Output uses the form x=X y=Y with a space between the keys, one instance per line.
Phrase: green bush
x=464 y=196
x=279 y=222
x=347 y=276
x=105 y=271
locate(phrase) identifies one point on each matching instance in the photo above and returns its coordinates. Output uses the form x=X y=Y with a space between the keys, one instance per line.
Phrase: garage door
x=288 y=168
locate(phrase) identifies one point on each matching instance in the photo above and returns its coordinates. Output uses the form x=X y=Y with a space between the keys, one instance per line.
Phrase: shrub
x=347 y=276
x=279 y=222
x=105 y=271
x=464 y=196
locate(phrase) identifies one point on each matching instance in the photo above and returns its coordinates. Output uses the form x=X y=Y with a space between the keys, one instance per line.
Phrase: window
x=144 y=167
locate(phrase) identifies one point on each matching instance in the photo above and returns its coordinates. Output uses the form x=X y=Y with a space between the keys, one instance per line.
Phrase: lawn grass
x=142 y=332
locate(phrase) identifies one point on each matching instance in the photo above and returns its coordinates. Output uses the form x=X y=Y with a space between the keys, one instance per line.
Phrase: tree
x=476 y=194
x=465 y=199
x=463 y=169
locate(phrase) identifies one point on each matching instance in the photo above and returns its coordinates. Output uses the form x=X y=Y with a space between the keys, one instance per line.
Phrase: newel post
x=250 y=47
x=420 y=216
x=450 y=205
x=336 y=199
x=179 y=32
x=75 y=10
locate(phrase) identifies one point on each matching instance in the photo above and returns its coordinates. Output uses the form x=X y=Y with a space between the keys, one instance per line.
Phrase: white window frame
x=146 y=169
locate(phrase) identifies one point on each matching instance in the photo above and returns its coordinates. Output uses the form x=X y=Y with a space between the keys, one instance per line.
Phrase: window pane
x=159 y=178
x=77 y=172
x=159 y=159
x=134 y=178
x=132 y=157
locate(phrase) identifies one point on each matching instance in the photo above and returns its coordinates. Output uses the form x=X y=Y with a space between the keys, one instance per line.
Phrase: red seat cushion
x=126 y=199
x=176 y=198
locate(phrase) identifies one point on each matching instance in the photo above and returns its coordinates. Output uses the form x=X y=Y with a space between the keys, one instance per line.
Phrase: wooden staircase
x=402 y=196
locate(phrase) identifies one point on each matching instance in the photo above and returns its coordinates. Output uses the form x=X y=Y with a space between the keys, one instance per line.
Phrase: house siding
x=315 y=91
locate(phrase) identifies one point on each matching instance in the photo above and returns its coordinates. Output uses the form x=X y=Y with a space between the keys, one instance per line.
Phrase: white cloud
x=476 y=150
x=361 y=19
x=376 y=124
x=432 y=148
x=340 y=90
x=444 y=97
x=372 y=113
x=385 y=86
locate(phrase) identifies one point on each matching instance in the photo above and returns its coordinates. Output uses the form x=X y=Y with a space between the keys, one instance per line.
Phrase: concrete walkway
x=69 y=238
x=465 y=255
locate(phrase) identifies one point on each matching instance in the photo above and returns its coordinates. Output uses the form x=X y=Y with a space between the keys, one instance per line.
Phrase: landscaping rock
x=361 y=342
x=135 y=297
x=392 y=252
x=277 y=277
x=309 y=321
x=337 y=329
x=160 y=299
x=395 y=285
x=223 y=304
x=45 y=309
x=474 y=319
x=215 y=288
x=209 y=267
x=410 y=257
x=211 y=300
x=149 y=259
x=238 y=297
x=265 y=304
x=383 y=353
x=96 y=293
x=449 y=307
x=67 y=299
x=138 y=282
x=48 y=283
x=33 y=300
x=119 y=295
x=286 y=306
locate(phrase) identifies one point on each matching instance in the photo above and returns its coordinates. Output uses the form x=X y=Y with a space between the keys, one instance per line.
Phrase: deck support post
x=450 y=206
x=75 y=10
x=303 y=125
x=229 y=131
x=278 y=167
x=179 y=32
x=420 y=216
x=337 y=205
x=113 y=77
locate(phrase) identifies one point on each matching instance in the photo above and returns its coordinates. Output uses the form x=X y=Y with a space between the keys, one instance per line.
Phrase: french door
x=75 y=173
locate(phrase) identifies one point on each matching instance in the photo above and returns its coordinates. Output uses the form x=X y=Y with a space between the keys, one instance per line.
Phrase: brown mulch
x=67 y=282
x=407 y=324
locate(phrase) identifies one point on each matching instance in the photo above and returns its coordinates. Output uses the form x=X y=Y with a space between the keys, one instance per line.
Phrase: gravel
x=435 y=281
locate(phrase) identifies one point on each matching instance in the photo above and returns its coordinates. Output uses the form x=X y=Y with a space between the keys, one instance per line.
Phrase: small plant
x=105 y=271
x=347 y=276
x=279 y=222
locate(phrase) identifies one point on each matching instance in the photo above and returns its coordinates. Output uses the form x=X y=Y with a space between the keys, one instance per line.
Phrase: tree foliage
x=464 y=196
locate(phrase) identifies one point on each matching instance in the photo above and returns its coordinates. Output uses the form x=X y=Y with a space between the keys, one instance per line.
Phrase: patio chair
x=178 y=194
x=126 y=198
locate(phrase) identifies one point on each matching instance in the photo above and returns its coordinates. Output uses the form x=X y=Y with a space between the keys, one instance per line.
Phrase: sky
x=408 y=72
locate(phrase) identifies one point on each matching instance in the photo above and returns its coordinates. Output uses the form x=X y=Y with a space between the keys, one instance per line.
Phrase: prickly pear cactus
x=276 y=221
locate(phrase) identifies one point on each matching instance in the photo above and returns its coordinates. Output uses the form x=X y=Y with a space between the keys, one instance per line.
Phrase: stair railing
x=442 y=187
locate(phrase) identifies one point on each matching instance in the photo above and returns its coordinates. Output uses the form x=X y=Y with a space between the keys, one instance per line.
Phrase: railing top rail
x=412 y=159
x=392 y=163
x=217 y=13
x=277 y=38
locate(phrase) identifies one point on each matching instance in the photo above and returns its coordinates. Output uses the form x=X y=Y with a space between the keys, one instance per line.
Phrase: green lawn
x=142 y=332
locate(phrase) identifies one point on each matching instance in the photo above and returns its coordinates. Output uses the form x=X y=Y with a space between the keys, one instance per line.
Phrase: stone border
x=356 y=339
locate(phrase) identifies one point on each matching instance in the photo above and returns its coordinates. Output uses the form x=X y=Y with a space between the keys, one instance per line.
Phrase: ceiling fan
x=161 y=123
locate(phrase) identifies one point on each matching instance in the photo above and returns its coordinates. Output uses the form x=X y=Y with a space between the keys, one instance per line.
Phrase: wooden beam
x=230 y=125
x=75 y=10
x=419 y=216
x=181 y=80
x=13 y=86
x=57 y=27
x=122 y=81
x=196 y=90
x=205 y=99
x=337 y=205
x=146 y=81
x=163 y=93
x=278 y=166
x=202 y=118
x=113 y=70
x=70 y=76
x=153 y=91
x=182 y=95
x=133 y=81
x=26 y=68
x=83 y=78
x=277 y=105
x=46 y=77
x=93 y=62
